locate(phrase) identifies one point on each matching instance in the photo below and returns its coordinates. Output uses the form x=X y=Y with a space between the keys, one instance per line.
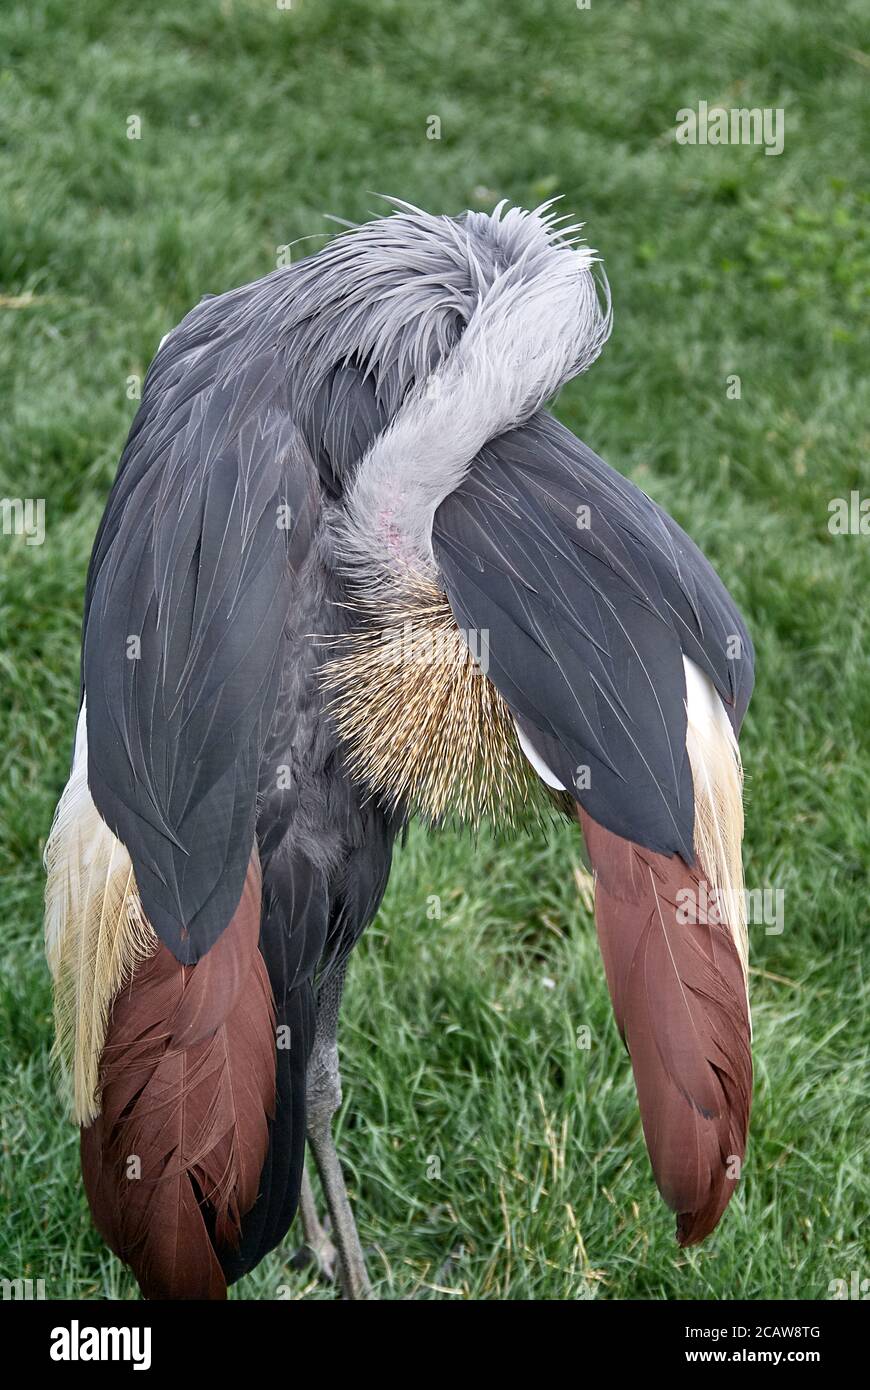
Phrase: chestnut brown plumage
x=679 y=996
x=187 y=1081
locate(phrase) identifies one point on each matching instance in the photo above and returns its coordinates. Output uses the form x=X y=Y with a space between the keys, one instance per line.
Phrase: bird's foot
x=318 y=1250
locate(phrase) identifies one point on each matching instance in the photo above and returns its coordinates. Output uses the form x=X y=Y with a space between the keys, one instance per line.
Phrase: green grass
x=722 y=260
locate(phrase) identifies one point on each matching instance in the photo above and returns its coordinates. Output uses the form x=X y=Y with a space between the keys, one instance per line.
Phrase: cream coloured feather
x=717 y=776
x=95 y=931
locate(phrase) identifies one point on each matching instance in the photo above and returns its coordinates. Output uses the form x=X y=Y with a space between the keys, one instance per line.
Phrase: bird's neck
x=526 y=337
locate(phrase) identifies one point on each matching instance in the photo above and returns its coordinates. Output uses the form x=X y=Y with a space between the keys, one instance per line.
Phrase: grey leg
x=316 y=1237
x=323 y=1099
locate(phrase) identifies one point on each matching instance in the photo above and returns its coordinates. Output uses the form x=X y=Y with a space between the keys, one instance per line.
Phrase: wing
x=591 y=596
x=190 y=583
x=196 y=570
x=619 y=652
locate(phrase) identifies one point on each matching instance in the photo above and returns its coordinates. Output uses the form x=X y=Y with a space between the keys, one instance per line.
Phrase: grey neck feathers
x=535 y=321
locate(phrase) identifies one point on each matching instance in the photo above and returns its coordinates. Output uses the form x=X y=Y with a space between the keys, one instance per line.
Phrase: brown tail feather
x=187 y=1079
x=679 y=996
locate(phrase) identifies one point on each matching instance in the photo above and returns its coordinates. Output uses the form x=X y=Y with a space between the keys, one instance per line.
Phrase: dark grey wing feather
x=188 y=592
x=343 y=420
x=587 y=624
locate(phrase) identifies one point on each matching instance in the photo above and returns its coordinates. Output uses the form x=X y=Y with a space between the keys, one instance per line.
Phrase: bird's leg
x=317 y=1240
x=323 y=1097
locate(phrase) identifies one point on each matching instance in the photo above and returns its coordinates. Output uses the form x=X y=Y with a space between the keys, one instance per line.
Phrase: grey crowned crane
x=352 y=571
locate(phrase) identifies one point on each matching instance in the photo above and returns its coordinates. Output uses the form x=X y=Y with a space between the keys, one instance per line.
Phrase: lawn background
x=459 y=1038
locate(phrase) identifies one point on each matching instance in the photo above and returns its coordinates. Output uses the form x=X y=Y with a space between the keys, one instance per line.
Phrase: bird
x=353 y=572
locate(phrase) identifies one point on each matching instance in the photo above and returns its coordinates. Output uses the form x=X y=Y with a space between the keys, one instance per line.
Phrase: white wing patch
x=537 y=762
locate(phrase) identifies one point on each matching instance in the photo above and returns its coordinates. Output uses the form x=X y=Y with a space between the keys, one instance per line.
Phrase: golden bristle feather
x=423 y=727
